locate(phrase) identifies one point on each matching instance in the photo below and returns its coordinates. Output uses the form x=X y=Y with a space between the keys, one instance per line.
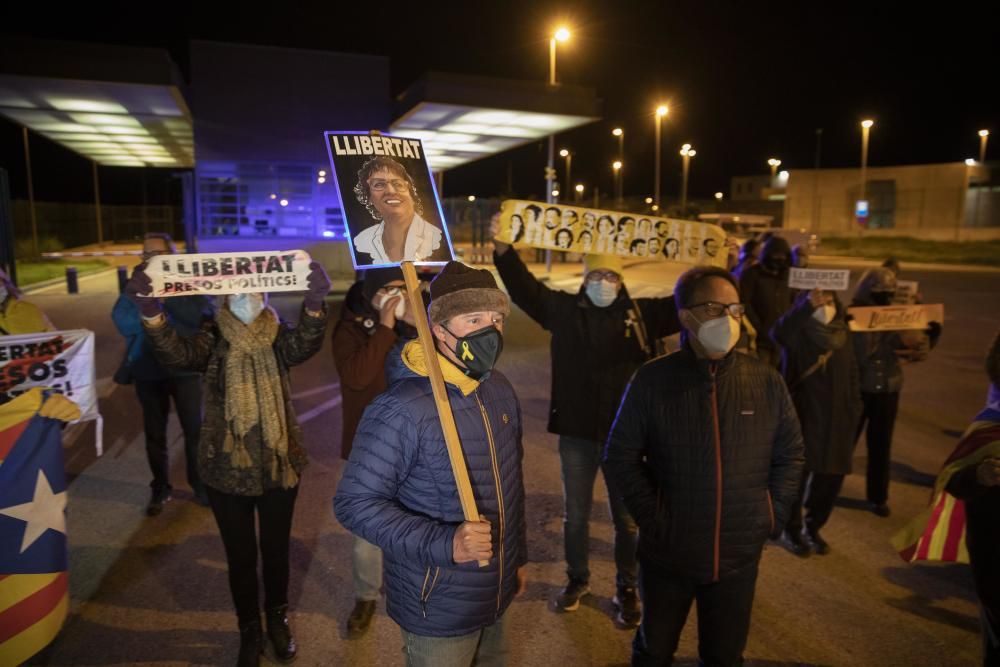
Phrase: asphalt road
x=153 y=590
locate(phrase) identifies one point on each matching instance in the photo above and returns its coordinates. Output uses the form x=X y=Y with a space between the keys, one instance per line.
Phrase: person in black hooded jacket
x=708 y=452
x=765 y=291
x=600 y=336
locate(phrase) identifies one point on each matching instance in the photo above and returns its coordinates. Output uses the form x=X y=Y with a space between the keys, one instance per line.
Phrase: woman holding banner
x=18 y=316
x=251 y=454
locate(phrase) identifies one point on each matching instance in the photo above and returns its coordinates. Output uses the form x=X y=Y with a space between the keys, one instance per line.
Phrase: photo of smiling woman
x=564 y=239
x=388 y=192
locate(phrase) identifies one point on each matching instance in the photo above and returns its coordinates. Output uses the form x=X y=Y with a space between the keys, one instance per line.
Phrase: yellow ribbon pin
x=466 y=352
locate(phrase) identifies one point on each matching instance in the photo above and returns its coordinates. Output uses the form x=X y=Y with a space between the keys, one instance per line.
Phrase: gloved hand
x=933 y=332
x=319 y=287
x=140 y=284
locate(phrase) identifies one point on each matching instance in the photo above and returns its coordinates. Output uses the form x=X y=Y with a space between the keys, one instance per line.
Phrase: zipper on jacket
x=425 y=596
x=770 y=510
x=496 y=479
x=718 y=474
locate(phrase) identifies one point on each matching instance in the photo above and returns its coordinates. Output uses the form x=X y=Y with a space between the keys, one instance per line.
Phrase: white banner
x=62 y=361
x=819 y=278
x=906 y=291
x=229 y=273
x=894 y=318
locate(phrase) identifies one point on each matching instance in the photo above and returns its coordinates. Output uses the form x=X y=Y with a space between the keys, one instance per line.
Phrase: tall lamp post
x=620 y=133
x=661 y=111
x=774 y=163
x=984 y=136
x=686 y=153
x=866 y=126
x=617 y=167
x=560 y=35
x=565 y=153
x=579 y=192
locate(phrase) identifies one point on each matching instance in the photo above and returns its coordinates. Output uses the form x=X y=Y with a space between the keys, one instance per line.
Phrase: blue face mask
x=246 y=307
x=602 y=292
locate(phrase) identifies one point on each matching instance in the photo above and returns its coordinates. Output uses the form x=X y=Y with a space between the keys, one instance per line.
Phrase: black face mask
x=776 y=264
x=882 y=298
x=479 y=351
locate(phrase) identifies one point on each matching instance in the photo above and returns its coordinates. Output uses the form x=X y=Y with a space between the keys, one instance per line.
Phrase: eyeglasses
x=379 y=184
x=597 y=276
x=713 y=309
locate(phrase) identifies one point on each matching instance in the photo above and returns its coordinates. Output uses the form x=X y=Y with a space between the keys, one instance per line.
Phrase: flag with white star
x=34 y=584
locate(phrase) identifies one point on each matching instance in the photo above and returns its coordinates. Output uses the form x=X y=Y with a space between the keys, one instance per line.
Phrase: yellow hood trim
x=413 y=357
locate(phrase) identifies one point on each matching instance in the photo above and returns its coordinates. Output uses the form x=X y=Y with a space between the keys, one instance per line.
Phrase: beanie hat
x=376 y=279
x=461 y=289
x=602 y=263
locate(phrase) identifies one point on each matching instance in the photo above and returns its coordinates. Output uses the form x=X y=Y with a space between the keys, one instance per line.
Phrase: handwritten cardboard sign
x=895 y=318
x=819 y=279
x=229 y=273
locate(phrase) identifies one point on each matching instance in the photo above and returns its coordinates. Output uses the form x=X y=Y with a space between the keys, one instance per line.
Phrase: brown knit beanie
x=461 y=289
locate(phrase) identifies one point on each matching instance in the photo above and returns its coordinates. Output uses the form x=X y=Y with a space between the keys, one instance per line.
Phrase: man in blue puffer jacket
x=398 y=491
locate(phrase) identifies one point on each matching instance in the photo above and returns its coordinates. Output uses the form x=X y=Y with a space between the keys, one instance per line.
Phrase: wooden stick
x=448 y=427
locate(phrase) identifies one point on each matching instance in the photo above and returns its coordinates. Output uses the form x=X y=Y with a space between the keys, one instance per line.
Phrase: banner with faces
x=627 y=235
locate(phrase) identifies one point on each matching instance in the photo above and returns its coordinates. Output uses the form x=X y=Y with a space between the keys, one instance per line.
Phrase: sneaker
x=569 y=598
x=627 y=611
x=793 y=542
x=816 y=541
x=879 y=509
x=159 y=498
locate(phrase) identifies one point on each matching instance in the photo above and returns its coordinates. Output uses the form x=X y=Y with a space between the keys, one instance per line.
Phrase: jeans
x=817 y=494
x=154 y=397
x=581 y=459
x=724 y=610
x=237 y=518
x=483 y=648
x=878 y=420
x=366 y=562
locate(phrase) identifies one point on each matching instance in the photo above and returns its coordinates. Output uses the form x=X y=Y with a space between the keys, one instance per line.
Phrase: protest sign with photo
x=837 y=280
x=894 y=318
x=391 y=207
x=592 y=231
x=62 y=361
x=229 y=273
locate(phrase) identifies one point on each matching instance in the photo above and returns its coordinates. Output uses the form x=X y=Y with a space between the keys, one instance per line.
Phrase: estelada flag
x=938 y=533
x=34 y=584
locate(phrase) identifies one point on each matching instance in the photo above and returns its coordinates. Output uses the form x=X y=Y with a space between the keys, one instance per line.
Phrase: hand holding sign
x=231 y=273
x=319 y=287
x=138 y=289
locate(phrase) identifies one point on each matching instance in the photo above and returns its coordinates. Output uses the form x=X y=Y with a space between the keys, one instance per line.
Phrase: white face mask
x=390 y=293
x=602 y=292
x=246 y=307
x=825 y=313
x=718 y=336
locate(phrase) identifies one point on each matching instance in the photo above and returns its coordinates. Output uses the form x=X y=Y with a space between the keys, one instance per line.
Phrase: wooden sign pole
x=441 y=396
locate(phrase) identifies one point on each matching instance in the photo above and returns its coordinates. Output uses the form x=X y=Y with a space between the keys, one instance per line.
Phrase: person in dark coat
x=822 y=377
x=600 y=336
x=708 y=452
x=155 y=385
x=399 y=492
x=251 y=452
x=765 y=292
x=374 y=319
x=879 y=355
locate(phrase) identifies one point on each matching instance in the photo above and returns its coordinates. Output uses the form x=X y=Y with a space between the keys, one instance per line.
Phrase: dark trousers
x=581 y=460
x=154 y=397
x=723 y=616
x=877 y=422
x=817 y=494
x=236 y=517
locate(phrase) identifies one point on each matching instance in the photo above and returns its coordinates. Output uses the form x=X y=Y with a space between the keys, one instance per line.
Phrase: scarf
x=253 y=392
x=828 y=337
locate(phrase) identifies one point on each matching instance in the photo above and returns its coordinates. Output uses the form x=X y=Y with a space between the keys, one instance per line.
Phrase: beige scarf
x=253 y=392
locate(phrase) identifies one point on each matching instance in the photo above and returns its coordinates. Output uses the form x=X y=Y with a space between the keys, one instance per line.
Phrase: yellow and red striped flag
x=938 y=533
x=34 y=583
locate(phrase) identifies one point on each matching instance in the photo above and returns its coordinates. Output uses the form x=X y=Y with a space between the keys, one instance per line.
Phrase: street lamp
x=555 y=193
x=984 y=136
x=774 y=163
x=569 y=164
x=560 y=35
x=620 y=133
x=969 y=162
x=579 y=191
x=718 y=196
x=617 y=166
x=687 y=153
x=661 y=111
x=866 y=126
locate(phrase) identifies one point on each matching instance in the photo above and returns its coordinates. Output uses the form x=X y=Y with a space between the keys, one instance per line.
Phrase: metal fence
x=70 y=225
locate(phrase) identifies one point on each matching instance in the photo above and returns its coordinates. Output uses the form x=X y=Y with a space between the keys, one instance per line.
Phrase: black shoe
x=360 y=618
x=280 y=635
x=793 y=542
x=569 y=598
x=159 y=498
x=627 y=611
x=880 y=509
x=816 y=541
x=251 y=645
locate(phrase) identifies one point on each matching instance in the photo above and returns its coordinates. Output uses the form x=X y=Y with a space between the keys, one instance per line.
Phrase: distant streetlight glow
x=618 y=131
x=969 y=162
x=983 y=138
x=555 y=193
x=649 y=200
x=616 y=165
x=563 y=153
x=562 y=34
x=687 y=152
x=718 y=196
x=783 y=175
x=283 y=202
x=867 y=124
x=579 y=188
x=472 y=197
x=662 y=110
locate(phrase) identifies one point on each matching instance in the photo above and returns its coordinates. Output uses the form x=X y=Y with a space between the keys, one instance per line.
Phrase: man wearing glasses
x=385 y=188
x=707 y=451
x=600 y=336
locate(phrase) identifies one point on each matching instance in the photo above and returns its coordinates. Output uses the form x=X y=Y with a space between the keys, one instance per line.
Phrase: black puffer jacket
x=709 y=456
x=594 y=350
x=765 y=291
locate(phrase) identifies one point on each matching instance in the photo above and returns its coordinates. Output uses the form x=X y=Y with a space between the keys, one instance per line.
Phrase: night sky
x=744 y=81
